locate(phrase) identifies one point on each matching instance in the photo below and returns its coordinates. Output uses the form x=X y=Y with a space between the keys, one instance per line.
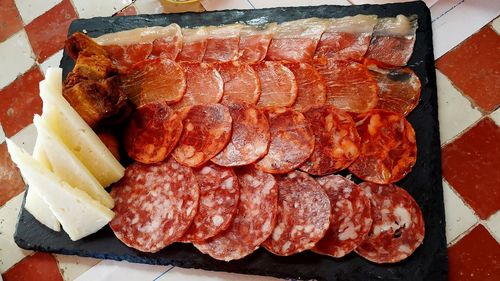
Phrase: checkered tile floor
x=32 y=35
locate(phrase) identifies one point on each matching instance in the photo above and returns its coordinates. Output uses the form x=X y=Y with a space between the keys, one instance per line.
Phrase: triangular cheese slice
x=78 y=213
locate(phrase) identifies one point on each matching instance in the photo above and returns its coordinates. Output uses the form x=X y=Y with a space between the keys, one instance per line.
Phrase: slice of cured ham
x=277 y=83
x=296 y=41
x=194 y=44
x=124 y=57
x=393 y=40
x=222 y=43
x=346 y=38
x=241 y=83
x=350 y=86
x=169 y=44
x=254 y=42
x=311 y=88
x=204 y=85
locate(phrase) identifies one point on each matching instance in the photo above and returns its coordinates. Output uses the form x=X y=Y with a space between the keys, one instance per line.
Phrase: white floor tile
x=10 y=253
x=459 y=217
x=496 y=25
x=26 y=138
x=455 y=111
x=2 y=134
x=493 y=225
x=52 y=61
x=496 y=116
x=149 y=7
x=290 y=3
x=99 y=8
x=213 y=5
x=30 y=10
x=16 y=56
x=73 y=266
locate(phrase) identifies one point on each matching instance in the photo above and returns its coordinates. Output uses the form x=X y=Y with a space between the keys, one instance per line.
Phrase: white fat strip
x=355 y=24
x=206 y=170
x=138 y=35
x=311 y=28
x=397 y=26
x=217 y=220
x=228 y=183
x=209 y=202
x=266 y=226
x=278 y=230
x=190 y=35
x=224 y=31
x=404 y=216
x=286 y=246
x=405 y=249
x=349 y=231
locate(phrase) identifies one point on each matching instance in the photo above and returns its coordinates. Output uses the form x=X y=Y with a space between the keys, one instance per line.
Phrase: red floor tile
x=10 y=20
x=20 y=101
x=11 y=182
x=129 y=11
x=471 y=165
x=39 y=267
x=475 y=257
x=48 y=32
x=474 y=67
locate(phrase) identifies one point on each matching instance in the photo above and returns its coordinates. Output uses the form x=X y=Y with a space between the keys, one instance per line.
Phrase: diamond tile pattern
x=10 y=20
x=40 y=267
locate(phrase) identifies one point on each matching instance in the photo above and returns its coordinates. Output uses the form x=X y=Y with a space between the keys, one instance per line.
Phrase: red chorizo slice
x=303 y=215
x=254 y=220
x=311 y=88
x=152 y=133
x=219 y=195
x=336 y=143
x=154 y=80
x=388 y=147
x=125 y=56
x=250 y=136
x=350 y=219
x=277 y=83
x=350 y=86
x=398 y=226
x=241 y=83
x=154 y=204
x=207 y=130
x=292 y=141
x=203 y=85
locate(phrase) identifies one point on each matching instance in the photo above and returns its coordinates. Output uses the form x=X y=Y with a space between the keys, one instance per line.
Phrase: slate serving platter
x=429 y=262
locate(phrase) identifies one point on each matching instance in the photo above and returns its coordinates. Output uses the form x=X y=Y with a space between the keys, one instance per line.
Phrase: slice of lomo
x=277 y=83
x=241 y=83
x=311 y=88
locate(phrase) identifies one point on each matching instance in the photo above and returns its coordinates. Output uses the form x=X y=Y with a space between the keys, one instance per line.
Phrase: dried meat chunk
x=350 y=86
x=169 y=44
x=250 y=136
x=241 y=83
x=207 y=130
x=303 y=215
x=254 y=41
x=204 y=85
x=311 y=88
x=79 y=43
x=194 y=44
x=277 y=84
x=254 y=220
x=398 y=227
x=154 y=204
x=346 y=38
x=219 y=195
x=399 y=88
x=292 y=141
x=296 y=41
x=152 y=133
x=154 y=80
x=350 y=218
x=336 y=140
x=393 y=40
x=388 y=147
x=222 y=43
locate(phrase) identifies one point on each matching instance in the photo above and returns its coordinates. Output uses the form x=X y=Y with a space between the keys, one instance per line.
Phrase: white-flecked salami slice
x=219 y=195
x=207 y=130
x=350 y=219
x=250 y=136
x=277 y=84
x=292 y=141
x=254 y=220
x=303 y=215
x=398 y=226
x=154 y=204
x=336 y=140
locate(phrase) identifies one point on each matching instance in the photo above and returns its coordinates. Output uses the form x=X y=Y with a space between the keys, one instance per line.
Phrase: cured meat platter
x=423 y=183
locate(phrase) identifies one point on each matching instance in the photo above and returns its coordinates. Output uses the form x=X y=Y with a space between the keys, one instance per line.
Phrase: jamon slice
x=154 y=80
x=296 y=41
x=241 y=83
x=169 y=44
x=399 y=88
x=350 y=86
x=254 y=42
x=203 y=85
x=346 y=38
x=124 y=57
x=222 y=43
x=277 y=84
x=311 y=88
x=194 y=44
x=393 y=40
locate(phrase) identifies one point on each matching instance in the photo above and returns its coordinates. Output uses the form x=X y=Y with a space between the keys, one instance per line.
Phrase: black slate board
x=429 y=262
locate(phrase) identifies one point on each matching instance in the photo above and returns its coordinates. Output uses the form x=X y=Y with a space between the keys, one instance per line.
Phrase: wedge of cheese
x=65 y=164
x=64 y=121
x=78 y=213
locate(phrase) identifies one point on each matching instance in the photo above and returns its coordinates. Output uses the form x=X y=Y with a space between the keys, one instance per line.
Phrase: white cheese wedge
x=65 y=164
x=78 y=213
x=77 y=135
